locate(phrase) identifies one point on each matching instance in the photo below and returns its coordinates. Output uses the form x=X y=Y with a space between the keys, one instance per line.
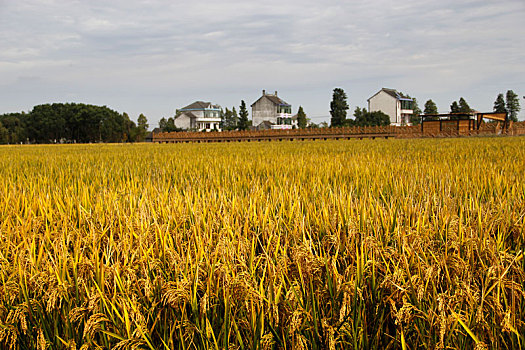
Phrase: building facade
x=201 y=116
x=398 y=107
x=273 y=112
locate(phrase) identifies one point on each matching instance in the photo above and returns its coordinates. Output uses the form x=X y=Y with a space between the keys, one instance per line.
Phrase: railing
x=326 y=133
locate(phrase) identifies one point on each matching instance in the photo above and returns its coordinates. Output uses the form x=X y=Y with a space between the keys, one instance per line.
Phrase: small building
x=397 y=106
x=201 y=116
x=273 y=111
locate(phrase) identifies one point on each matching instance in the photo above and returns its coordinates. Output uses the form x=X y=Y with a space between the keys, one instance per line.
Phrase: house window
x=207 y=125
x=406 y=104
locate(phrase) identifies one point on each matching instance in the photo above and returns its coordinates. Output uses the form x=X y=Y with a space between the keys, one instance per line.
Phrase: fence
x=327 y=133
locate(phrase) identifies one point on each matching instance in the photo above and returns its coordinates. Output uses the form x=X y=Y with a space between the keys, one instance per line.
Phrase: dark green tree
x=168 y=125
x=243 y=123
x=142 y=128
x=415 y=117
x=15 y=123
x=338 y=108
x=359 y=116
x=454 y=107
x=499 y=104
x=4 y=134
x=463 y=106
x=301 y=118
x=513 y=105
x=229 y=119
x=430 y=107
x=365 y=118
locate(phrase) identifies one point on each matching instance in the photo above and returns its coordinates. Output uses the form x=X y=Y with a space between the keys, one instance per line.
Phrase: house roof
x=200 y=105
x=265 y=125
x=188 y=114
x=274 y=99
x=394 y=93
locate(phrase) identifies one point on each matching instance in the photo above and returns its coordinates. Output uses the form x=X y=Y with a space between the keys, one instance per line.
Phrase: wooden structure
x=455 y=124
x=430 y=128
x=502 y=117
x=294 y=134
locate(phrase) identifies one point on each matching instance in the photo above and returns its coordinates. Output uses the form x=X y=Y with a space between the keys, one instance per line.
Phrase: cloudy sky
x=154 y=56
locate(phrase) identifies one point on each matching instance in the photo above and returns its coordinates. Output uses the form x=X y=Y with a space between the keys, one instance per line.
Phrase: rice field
x=411 y=244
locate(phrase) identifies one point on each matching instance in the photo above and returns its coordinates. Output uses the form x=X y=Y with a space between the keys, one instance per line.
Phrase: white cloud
x=153 y=56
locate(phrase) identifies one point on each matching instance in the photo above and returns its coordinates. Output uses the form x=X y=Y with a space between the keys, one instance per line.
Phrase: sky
x=155 y=56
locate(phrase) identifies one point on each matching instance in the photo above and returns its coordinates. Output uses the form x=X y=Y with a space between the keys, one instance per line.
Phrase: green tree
x=365 y=118
x=463 y=106
x=243 y=123
x=499 y=104
x=301 y=118
x=4 y=134
x=430 y=107
x=513 y=105
x=454 y=107
x=338 y=108
x=168 y=125
x=415 y=117
x=142 y=127
x=229 y=119
x=15 y=124
x=359 y=116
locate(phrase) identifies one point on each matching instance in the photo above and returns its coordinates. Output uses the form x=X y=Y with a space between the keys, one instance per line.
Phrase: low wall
x=330 y=133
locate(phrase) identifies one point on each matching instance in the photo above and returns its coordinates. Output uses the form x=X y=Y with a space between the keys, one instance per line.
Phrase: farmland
x=282 y=245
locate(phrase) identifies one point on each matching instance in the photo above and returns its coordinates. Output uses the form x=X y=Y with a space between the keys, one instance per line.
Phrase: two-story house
x=273 y=112
x=199 y=116
x=398 y=107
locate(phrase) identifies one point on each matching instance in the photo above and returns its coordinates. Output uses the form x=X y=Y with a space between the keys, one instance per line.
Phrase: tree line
x=70 y=122
x=338 y=110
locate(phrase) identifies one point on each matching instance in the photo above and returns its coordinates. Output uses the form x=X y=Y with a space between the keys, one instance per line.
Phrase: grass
x=287 y=245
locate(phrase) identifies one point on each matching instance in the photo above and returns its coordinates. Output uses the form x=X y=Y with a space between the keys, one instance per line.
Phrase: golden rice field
x=410 y=244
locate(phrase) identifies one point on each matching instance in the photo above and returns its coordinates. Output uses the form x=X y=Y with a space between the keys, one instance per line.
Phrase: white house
x=398 y=107
x=199 y=116
x=270 y=111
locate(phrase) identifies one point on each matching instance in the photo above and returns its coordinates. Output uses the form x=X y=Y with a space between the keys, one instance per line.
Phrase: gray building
x=273 y=111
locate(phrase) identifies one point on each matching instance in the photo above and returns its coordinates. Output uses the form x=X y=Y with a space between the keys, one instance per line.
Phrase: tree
x=142 y=128
x=414 y=118
x=4 y=134
x=168 y=125
x=301 y=118
x=243 y=117
x=463 y=106
x=338 y=108
x=359 y=116
x=229 y=119
x=454 y=107
x=499 y=104
x=365 y=118
x=513 y=105
x=430 y=107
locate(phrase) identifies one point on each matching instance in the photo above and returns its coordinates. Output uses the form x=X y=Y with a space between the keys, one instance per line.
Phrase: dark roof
x=394 y=93
x=275 y=100
x=189 y=114
x=200 y=105
x=265 y=125
x=391 y=92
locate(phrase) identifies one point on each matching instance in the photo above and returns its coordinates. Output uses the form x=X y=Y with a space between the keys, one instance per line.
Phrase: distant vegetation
x=70 y=122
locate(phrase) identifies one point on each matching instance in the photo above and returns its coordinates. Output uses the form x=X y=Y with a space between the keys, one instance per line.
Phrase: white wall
x=183 y=121
x=385 y=103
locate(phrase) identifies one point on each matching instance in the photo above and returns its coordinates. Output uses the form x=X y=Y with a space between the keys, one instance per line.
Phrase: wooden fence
x=327 y=134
